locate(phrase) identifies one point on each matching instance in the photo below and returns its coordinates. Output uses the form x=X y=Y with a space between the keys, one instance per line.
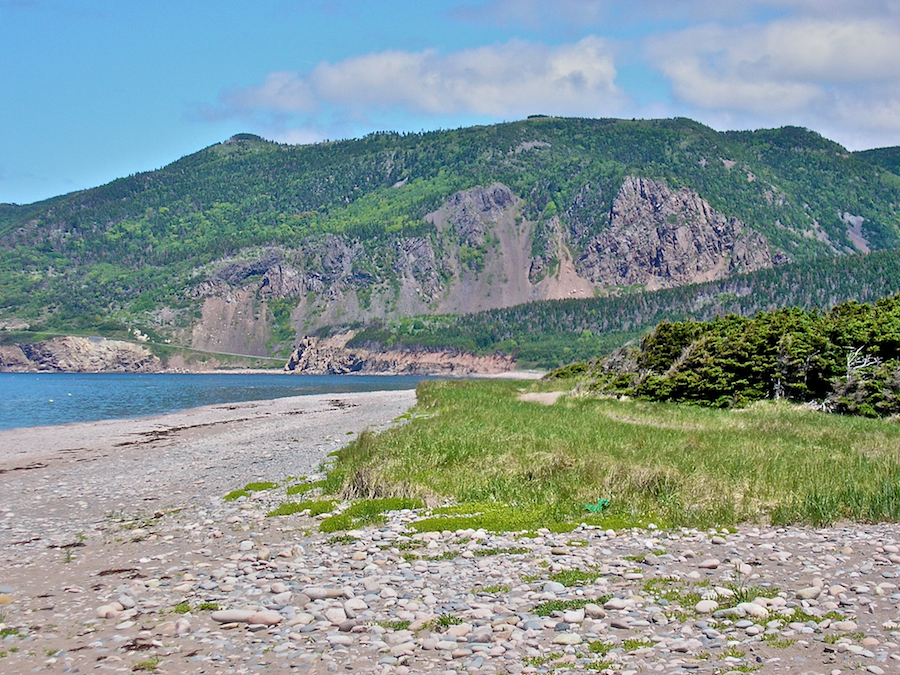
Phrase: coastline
x=211 y=450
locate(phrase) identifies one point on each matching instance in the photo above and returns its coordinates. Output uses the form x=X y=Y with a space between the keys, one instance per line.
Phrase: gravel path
x=127 y=559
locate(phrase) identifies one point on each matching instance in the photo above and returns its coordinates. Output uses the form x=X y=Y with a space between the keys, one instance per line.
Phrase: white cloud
x=281 y=91
x=510 y=79
x=565 y=14
x=834 y=74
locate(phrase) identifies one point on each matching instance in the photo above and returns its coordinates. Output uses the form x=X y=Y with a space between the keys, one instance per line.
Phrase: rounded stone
x=231 y=615
x=266 y=618
x=567 y=639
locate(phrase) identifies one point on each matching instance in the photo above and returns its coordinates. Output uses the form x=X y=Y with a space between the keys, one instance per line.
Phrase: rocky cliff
x=481 y=254
x=661 y=238
x=78 y=355
x=331 y=356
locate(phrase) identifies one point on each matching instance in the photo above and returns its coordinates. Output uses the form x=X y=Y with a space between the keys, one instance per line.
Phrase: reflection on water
x=37 y=399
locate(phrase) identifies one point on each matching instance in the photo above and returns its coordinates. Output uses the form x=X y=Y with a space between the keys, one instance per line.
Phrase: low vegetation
x=518 y=466
x=247 y=489
x=846 y=360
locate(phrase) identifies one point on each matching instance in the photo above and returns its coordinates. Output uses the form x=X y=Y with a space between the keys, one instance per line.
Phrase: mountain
x=247 y=245
x=886 y=158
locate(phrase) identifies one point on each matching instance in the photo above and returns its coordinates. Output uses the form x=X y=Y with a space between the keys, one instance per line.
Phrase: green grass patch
x=538 y=661
x=372 y=508
x=602 y=648
x=800 y=616
x=316 y=508
x=746 y=594
x=303 y=488
x=336 y=523
x=496 y=588
x=260 y=486
x=394 y=625
x=516 y=466
x=547 y=608
x=773 y=640
x=182 y=608
x=635 y=643
x=248 y=488
x=575 y=577
x=837 y=637
x=368 y=512
x=148 y=666
x=493 y=517
x=341 y=540
x=485 y=552
x=599 y=665
x=447 y=620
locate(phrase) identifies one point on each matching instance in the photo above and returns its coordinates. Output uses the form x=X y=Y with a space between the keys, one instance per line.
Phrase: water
x=39 y=399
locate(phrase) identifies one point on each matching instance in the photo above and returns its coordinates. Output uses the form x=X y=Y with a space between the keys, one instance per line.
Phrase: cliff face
x=481 y=254
x=331 y=356
x=78 y=355
x=478 y=257
x=660 y=238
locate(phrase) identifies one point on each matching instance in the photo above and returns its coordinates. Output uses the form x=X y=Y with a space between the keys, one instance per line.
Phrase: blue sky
x=91 y=90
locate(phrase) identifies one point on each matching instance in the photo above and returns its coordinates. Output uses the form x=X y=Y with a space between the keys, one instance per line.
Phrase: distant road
x=158 y=344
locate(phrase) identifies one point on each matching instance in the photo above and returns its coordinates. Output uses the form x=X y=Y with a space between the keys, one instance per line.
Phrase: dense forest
x=125 y=253
x=846 y=360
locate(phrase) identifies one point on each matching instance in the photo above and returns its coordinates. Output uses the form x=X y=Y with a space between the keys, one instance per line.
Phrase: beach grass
x=507 y=464
x=249 y=488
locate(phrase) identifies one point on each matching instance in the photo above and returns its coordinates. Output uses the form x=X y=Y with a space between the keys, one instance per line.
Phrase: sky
x=93 y=90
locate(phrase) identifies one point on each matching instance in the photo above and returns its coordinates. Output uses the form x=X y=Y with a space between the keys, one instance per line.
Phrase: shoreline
x=35 y=415
x=212 y=448
x=514 y=376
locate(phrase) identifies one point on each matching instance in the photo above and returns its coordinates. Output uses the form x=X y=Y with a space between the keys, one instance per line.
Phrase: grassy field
x=509 y=464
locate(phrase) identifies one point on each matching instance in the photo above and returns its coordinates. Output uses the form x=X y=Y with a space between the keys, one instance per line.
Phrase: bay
x=44 y=399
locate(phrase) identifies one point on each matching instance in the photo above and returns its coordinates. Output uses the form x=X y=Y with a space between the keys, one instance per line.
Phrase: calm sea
x=38 y=399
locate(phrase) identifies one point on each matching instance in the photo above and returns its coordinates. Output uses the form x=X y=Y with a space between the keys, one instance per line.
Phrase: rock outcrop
x=78 y=355
x=331 y=356
x=662 y=238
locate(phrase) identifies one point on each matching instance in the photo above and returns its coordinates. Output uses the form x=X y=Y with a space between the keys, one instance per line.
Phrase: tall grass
x=675 y=464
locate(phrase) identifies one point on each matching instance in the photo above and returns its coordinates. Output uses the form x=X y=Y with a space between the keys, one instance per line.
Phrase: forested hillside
x=247 y=244
x=887 y=158
x=552 y=333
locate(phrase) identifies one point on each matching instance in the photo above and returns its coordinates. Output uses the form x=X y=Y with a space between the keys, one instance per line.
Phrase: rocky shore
x=71 y=354
x=332 y=356
x=118 y=553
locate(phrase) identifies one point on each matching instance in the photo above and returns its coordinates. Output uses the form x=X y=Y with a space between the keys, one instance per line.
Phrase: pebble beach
x=119 y=554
